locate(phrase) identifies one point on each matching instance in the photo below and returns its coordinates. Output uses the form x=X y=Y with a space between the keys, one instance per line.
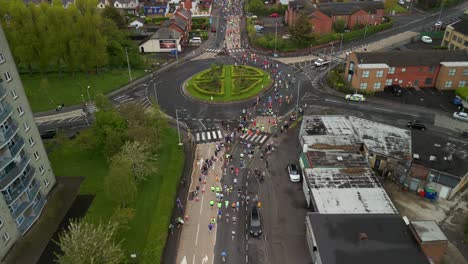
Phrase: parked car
x=274 y=15
x=458 y=102
x=426 y=39
x=294 y=174
x=255 y=222
x=286 y=36
x=213 y=29
x=401 y=2
x=438 y=23
x=394 y=89
x=461 y=116
x=49 y=134
x=355 y=97
x=416 y=125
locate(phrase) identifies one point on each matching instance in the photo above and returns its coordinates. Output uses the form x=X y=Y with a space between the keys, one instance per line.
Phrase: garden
x=228 y=83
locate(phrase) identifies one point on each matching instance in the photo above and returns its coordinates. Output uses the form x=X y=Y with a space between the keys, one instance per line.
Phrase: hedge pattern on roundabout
x=228 y=83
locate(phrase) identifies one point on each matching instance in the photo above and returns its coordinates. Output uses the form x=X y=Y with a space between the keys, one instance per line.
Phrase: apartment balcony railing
x=6 y=136
x=4 y=161
x=29 y=221
x=3 y=92
x=5 y=113
x=26 y=204
x=11 y=197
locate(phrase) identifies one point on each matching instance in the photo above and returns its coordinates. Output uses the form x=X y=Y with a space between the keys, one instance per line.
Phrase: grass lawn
x=230 y=79
x=48 y=92
x=397 y=8
x=147 y=231
x=462 y=92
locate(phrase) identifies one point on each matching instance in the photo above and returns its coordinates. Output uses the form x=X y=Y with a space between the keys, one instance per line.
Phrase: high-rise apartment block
x=26 y=177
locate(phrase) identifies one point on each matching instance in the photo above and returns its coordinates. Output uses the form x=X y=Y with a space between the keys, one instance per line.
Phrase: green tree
x=119 y=184
x=339 y=25
x=110 y=12
x=84 y=243
x=122 y=216
x=110 y=132
x=141 y=159
x=302 y=29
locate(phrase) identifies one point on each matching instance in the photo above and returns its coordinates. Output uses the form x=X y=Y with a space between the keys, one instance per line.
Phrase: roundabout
x=227 y=83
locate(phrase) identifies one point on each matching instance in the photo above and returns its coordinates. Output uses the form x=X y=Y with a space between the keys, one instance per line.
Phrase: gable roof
x=180 y=22
x=412 y=57
x=166 y=33
x=184 y=12
x=339 y=8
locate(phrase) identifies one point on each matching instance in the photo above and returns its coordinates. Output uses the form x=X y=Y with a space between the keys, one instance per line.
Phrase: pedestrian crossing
x=260 y=138
x=125 y=98
x=208 y=136
x=213 y=50
x=236 y=50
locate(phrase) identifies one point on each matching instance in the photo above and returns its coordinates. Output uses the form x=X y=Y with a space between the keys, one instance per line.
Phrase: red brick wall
x=321 y=23
x=291 y=16
x=407 y=78
x=363 y=18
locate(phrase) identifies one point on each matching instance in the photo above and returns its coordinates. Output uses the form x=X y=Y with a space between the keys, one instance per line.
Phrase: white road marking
x=200 y=120
x=208 y=135
x=201 y=205
x=184 y=260
x=203 y=136
x=243 y=136
x=220 y=136
x=198 y=137
x=214 y=134
x=254 y=137
x=198 y=230
x=263 y=139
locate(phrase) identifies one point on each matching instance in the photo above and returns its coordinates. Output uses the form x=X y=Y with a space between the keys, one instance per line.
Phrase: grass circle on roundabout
x=228 y=83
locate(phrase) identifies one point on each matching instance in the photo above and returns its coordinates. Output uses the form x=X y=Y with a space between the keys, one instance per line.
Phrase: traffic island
x=227 y=83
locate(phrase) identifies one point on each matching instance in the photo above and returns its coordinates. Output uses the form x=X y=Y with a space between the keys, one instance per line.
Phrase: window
x=31 y=141
x=41 y=169
x=7 y=76
x=465 y=72
x=20 y=110
x=391 y=70
x=14 y=94
x=448 y=84
x=363 y=86
x=2 y=58
x=36 y=155
x=462 y=84
x=365 y=74
x=388 y=82
x=452 y=72
x=46 y=182
x=447 y=33
x=26 y=127
x=6 y=237
x=432 y=69
x=403 y=69
x=351 y=66
x=379 y=73
x=377 y=85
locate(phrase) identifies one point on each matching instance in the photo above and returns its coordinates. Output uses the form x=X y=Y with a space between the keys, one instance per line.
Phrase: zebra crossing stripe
x=254 y=137
x=263 y=139
x=198 y=137
x=220 y=136
x=214 y=134
x=208 y=135
x=248 y=138
x=243 y=136
x=203 y=136
x=258 y=139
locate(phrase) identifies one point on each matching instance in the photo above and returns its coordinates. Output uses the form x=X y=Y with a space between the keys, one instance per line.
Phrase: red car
x=274 y=15
x=213 y=29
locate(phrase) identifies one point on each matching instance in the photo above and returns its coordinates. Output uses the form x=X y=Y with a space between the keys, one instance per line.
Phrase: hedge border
x=259 y=73
x=251 y=87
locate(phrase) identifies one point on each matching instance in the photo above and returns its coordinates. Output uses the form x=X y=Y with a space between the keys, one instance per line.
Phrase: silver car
x=461 y=116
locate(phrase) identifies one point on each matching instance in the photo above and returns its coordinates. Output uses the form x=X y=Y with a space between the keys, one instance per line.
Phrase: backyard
x=146 y=232
x=228 y=83
x=46 y=92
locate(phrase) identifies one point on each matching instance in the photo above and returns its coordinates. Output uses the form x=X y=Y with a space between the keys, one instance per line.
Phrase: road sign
x=174 y=51
x=211 y=20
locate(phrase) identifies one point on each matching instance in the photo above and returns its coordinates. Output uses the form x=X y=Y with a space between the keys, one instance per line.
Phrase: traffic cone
x=203 y=189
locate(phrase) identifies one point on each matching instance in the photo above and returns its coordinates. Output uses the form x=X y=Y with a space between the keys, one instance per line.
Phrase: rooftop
x=461 y=26
x=412 y=57
x=340 y=8
x=347 y=132
x=166 y=33
x=330 y=177
x=447 y=155
x=335 y=159
x=428 y=231
x=364 y=239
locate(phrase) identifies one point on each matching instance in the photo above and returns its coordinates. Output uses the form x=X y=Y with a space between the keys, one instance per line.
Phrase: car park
x=355 y=97
x=460 y=116
x=426 y=39
x=255 y=227
x=294 y=175
x=416 y=125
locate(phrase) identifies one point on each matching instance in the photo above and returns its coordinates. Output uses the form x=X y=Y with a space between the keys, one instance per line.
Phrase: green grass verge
x=462 y=92
x=46 y=92
x=153 y=206
x=229 y=92
x=397 y=8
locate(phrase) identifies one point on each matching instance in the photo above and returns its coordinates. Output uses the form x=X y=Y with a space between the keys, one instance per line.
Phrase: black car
x=49 y=134
x=416 y=125
x=394 y=89
x=255 y=222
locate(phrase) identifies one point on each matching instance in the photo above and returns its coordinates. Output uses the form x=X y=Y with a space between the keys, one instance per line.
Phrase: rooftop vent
x=363 y=236
x=416 y=156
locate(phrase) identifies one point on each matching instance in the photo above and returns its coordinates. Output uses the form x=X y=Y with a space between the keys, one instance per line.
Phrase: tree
x=110 y=12
x=141 y=159
x=339 y=25
x=119 y=184
x=122 y=216
x=301 y=31
x=102 y=103
x=110 y=132
x=390 y=3
x=84 y=243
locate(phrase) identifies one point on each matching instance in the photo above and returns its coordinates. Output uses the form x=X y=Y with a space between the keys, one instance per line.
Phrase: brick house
x=322 y=16
x=152 y=7
x=372 y=71
x=181 y=21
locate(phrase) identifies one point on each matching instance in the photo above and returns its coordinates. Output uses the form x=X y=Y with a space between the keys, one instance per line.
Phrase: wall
x=444 y=77
x=321 y=23
x=414 y=76
x=152 y=45
x=454 y=39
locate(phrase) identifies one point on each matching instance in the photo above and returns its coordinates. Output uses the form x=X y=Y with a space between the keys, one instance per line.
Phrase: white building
x=164 y=40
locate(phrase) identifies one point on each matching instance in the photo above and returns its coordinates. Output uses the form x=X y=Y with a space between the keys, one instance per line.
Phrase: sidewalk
x=197 y=243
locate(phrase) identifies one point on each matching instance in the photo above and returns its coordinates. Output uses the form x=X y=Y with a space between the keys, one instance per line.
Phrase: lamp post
x=298 y=90
x=87 y=91
x=341 y=43
x=128 y=64
x=85 y=112
x=154 y=88
x=178 y=129
x=276 y=33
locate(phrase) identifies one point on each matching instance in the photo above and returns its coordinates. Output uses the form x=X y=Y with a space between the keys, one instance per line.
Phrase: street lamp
x=178 y=129
x=128 y=64
x=87 y=91
x=341 y=43
x=276 y=33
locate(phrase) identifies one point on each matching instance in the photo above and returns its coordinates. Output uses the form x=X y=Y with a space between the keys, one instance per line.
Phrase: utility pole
x=276 y=33
x=87 y=91
x=85 y=112
x=298 y=91
x=178 y=129
x=341 y=43
x=154 y=88
x=331 y=58
x=128 y=64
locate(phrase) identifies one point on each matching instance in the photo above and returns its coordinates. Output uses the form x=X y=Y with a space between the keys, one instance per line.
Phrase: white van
x=196 y=40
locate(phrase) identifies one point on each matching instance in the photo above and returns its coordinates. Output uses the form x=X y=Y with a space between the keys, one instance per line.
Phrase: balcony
x=6 y=136
x=14 y=151
x=26 y=204
x=24 y=182
x=3 y=92
x=29 y=221
x=6 y=112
